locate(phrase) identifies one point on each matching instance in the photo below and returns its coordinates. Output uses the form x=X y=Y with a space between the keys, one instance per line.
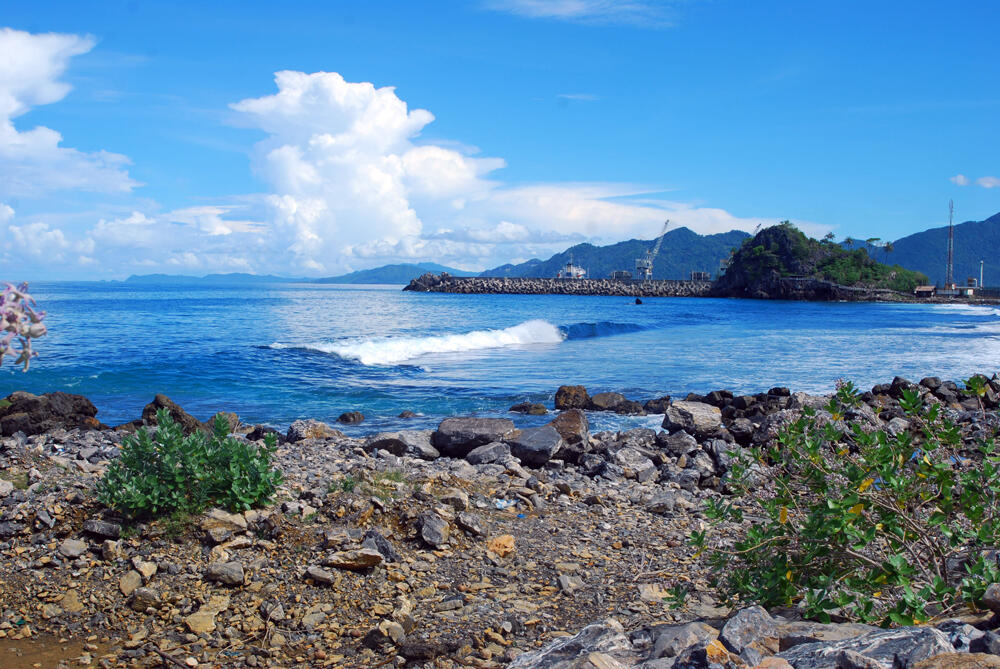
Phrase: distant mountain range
x=682 y=252
x=392 y=274
x=927 y=251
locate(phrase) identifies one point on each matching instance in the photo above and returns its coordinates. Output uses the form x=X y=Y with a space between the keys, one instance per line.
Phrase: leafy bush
x=879 y=528
x=21 y=322
x=162 y=472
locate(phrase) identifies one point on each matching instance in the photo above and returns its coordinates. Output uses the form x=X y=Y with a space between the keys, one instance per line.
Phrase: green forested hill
x=683 y=251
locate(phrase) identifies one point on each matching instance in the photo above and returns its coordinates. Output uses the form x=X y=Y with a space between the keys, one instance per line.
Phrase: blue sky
x=476 y=133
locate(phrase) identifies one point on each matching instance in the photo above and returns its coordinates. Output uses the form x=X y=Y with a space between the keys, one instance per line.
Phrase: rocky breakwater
x=478 y=544
x=445 y=283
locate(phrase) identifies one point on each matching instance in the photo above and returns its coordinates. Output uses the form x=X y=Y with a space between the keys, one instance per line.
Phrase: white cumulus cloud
x=988 y=182
x=648 y=13
x=960 y=180
x=32 y=162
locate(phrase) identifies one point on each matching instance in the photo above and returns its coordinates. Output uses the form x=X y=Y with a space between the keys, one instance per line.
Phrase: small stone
x=320 y=575
x=144 y=598
x=73 y=548
x=456 y=499
x=102 y=529
x=71 y=602
x=470 y=523
x=502 y=545
x=569 y=584
x=433 y=529
x=227 y=573
x=6 y=488
x=203 y=620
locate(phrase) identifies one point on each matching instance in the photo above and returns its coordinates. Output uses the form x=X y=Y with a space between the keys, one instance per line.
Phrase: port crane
x=644 y=266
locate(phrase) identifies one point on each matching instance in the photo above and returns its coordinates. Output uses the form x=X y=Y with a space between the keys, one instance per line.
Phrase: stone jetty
x=478 y=285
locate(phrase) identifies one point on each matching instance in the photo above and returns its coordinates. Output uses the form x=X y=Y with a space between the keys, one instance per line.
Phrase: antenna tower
x=950 y=279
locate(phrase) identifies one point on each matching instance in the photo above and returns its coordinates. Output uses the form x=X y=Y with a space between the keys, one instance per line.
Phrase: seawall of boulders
x=445 y=283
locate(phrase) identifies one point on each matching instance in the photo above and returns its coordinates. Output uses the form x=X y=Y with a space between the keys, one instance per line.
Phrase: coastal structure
x=445 y=283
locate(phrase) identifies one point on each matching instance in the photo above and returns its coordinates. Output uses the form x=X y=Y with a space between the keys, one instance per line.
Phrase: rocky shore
x=474 y=285
x=477 y=544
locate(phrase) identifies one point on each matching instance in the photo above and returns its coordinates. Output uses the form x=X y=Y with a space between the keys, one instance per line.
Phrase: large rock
x=488 y=453
x=672 y=640
x=456 y=437
x=434 y=529
x=530 y=408
x=536 y=446
x=752 y=627
x=902 y=647
x=606 y=401
x=601 y=640
x=414 y=443
x=311 y=429
x=695 y=418
x=37 y=414
x=187 y=422
x=572 y=397
x=573 y=427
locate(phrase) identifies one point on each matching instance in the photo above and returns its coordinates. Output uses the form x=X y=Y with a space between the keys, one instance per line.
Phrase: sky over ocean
x=315 y=138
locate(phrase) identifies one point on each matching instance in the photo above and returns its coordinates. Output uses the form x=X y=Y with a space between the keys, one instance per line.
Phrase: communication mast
x=949 y=282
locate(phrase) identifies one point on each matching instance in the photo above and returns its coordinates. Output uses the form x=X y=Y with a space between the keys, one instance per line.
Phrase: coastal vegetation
x=163 y=472
x=891 y=525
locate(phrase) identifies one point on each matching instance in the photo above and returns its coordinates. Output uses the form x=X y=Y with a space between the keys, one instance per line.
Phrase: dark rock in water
x=890 y=648
x=414 y=443
x=605 y=401
x=530 y=408
x=572 y=397
x=638 y=300
x=536 y=446
x=351 y=418
x=604 y=638
x=630 y=408
x=696 y=418
x=261 y=431
x=406 y=414
x=37 y=414
x=658 y=405
x=456 y=437
x=187 y=422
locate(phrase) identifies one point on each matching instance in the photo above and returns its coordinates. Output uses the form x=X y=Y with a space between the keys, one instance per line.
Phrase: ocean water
x=281 y=352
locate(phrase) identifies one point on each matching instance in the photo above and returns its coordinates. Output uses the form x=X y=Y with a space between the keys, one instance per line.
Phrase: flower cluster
x=19 y=324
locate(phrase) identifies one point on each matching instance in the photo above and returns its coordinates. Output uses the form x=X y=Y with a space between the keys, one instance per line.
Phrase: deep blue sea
x=280 y=352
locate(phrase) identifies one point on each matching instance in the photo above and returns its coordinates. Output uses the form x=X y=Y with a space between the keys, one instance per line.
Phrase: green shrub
x=162 y=472
x=874 y=527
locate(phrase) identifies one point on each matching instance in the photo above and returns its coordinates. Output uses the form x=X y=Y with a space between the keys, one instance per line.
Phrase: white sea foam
x=401 y=349
x=972 y=309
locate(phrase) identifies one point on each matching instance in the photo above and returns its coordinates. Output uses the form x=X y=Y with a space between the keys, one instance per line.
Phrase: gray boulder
x=635 y=465
x=678 y=443
x=434 y=529
x=604 y=639
x=413 y=443
x=536 y=446
x=456 y=437
x=672 y=640
x=606 y=401
x=487 y=453
x=901 y=647
x=752 y=627
x=695 y=418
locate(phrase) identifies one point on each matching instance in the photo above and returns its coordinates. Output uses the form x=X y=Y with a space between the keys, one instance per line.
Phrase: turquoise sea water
x=286 y=351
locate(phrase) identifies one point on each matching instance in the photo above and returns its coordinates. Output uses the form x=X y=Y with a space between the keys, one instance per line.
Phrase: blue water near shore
x=280 y=352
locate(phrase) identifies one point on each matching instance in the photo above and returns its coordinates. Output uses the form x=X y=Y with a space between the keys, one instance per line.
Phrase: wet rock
x=412 y=443
x=351 y=418
x=530 y=408
x=311 y=429
x=607 y=638
x=226 y=573
x=605 y=401
x=487 y=453
x=407 y=414
x=696 y=418
x=354 y=560
x=456 y=437
x=536 y=446
x=658 y=405
x=38 y=414
x=571 y=397
x=187 y=422
x=433 y=529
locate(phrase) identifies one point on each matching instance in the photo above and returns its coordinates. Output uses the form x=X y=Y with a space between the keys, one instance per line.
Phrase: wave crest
x=402 y=349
